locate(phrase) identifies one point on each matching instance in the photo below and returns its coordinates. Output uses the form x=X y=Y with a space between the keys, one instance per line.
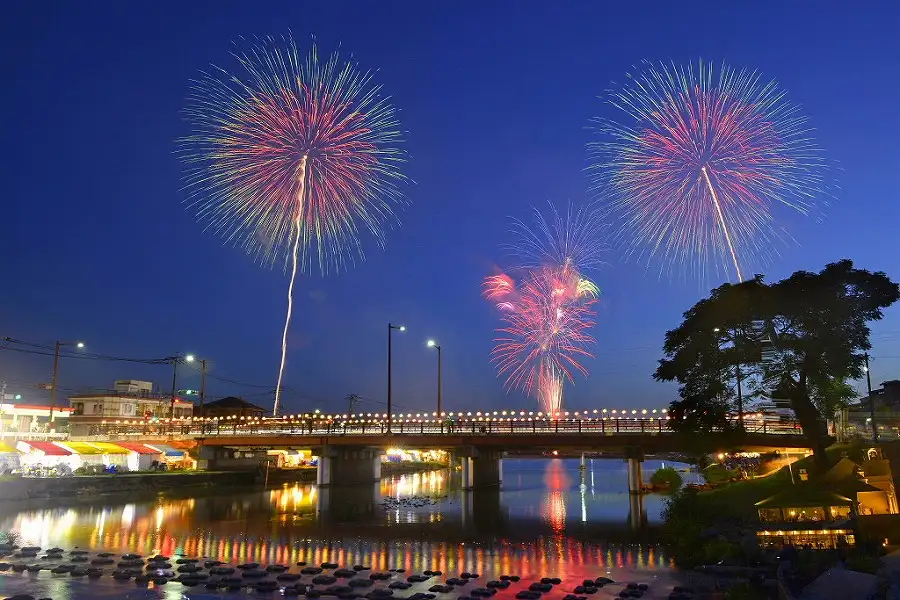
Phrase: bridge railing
x=324 y=427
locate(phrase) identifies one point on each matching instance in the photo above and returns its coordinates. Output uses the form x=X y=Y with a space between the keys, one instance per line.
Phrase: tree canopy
x=799 y=339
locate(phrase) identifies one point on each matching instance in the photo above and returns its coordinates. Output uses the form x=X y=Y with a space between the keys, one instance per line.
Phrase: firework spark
x=699 y=160
x=547 y=314
x=291 y=157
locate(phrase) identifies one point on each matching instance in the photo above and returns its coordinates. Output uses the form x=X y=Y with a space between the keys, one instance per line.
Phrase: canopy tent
x=82 y=448
x=108 y=448
x=46 y=448
x=167 y=450
x=142 y=449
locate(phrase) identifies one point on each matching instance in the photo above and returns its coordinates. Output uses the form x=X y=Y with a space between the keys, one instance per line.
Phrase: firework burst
x=699 y=161
x=548 y=314
x=290 y=157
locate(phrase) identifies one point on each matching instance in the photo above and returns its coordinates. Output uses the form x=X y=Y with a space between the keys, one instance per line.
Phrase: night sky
x=496 y=99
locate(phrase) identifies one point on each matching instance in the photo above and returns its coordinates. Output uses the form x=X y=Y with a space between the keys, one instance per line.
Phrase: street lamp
x=391 y=328
x=56 y=374
x=189 y=358
x=436 y=346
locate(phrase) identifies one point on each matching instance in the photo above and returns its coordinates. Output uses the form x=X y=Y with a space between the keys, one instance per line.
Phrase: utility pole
x=53 y=384
x=871 y=401
x=202 y=384
x=2 y=404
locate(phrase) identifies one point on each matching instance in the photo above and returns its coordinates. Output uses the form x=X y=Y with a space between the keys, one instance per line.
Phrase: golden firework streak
x=715 y=198
x=297 y=223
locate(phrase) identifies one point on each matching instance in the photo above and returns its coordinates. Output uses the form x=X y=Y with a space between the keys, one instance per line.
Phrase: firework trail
x=290 y=158
x=548 y=315
x=699 y=158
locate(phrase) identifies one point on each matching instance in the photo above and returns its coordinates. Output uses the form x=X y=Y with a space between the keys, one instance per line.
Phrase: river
x=550 y=520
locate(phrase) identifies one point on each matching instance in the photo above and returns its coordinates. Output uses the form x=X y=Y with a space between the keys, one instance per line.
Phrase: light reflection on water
x=285 y=525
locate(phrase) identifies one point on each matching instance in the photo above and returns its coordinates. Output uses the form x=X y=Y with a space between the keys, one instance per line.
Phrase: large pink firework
x=545 y=331
x=291 y=157
x=700 y=161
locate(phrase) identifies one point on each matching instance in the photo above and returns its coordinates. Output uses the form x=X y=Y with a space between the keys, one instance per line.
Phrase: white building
x=130 y=400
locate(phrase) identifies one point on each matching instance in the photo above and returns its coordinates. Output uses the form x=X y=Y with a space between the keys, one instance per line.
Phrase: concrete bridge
x=350 y=448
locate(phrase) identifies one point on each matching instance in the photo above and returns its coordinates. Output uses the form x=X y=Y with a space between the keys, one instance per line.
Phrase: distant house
x=230 y=407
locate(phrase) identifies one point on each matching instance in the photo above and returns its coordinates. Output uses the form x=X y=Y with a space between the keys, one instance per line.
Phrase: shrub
x=666 y=477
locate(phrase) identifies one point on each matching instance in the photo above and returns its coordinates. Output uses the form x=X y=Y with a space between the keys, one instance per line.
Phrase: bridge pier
x=634 y=457
x=348 y=465
x=481 y=468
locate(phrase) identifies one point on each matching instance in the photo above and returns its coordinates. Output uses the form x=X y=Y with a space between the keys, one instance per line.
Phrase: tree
x=711 y=355
x=812 y=328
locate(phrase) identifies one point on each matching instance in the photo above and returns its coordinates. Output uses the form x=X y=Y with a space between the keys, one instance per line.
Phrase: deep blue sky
x=495 y=96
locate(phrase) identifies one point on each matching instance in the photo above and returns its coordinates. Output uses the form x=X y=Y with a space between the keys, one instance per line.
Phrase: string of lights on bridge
x=432 y=418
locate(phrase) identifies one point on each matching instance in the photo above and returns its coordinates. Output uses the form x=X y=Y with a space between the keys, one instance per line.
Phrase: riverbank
x=39 y=490
x=23 y=489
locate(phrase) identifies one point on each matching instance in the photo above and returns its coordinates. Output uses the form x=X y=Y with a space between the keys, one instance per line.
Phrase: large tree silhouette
x=799 y=339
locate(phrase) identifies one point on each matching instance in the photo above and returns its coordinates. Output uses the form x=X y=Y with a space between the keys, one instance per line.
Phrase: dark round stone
x=344 y=573
x=324 y=580
x=253 y=574
x=129 y=556
x=361 y=568
x=360 y=583
x=221 y=571
x=329 y=565
x=276 y=568
x=251 y=565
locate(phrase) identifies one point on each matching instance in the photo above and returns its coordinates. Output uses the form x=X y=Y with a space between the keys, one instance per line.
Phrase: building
x=827 y=512
x=129 y=400
x=23 y=419
x=230 y=407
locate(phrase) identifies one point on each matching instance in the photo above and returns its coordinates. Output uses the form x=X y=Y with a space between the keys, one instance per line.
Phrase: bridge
x=350 y=447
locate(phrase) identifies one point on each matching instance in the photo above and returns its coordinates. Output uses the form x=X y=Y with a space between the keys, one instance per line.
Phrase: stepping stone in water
x=540 y=587
x=380 y=593
x=360 y=583
x=276 y=568
x=160 y=581
x=95 y=574
x=380 y=576
x=251 y=565
x=80 y=558
x=254 y=574
x=311 y=570
x=186 y=561
x=441 y=589
x=33 y=568
x=221 y=571
x=128 y=556
x=418 y=578
x=457 y=581
x=155 y=566
x=103 y=561
x=399 y=585
x=285 y=577
x=500 y=585
x=361 y=568
x=345 y=573
x=189 y=568
x=313 y=593
x=105 y=554
x=329 y=565
x=337 y=590
x=527 y=595
x=324 y=580
x=19 y=568
x=601 y=581
x=483 y=592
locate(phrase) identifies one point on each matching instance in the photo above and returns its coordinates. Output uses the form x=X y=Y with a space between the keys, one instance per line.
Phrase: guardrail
x=320 y=427
x=38 y=437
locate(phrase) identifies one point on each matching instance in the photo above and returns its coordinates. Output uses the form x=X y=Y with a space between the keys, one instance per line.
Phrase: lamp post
x=391 y=328
x=436 y=346
x=175 y=360
x=871 y=400
x=56 y=374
